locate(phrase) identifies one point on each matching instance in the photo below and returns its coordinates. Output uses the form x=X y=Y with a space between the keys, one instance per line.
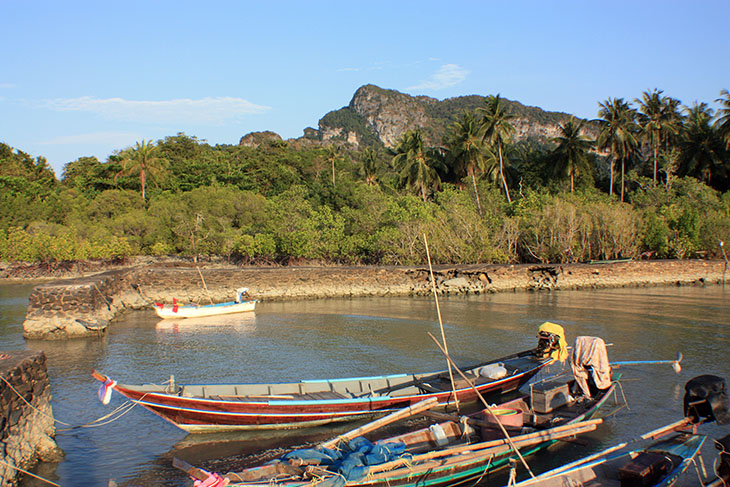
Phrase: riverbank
x=508 y=276
x=87 y=300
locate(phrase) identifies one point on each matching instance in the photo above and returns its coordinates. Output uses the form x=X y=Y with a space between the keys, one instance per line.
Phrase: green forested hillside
x=653 y=180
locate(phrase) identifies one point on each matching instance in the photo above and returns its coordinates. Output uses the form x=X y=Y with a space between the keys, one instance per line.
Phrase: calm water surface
x=356 y=337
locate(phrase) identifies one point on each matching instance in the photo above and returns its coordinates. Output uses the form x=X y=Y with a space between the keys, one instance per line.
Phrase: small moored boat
x=218 y=407
x=661 y=463
x=198 y=311
x=658 y=465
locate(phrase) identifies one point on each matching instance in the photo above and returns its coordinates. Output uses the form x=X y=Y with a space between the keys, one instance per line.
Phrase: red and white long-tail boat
x=217 y=407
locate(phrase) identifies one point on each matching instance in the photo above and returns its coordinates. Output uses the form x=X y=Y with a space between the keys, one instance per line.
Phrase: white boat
x=177 y=310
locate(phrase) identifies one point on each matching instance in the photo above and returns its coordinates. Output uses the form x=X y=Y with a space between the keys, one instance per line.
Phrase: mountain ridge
x=378 y=116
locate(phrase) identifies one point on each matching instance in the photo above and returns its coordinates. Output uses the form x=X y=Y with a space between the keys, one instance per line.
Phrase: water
x=356 y=337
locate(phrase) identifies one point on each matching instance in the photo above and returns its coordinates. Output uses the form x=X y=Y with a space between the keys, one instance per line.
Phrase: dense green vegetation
x=655 y=180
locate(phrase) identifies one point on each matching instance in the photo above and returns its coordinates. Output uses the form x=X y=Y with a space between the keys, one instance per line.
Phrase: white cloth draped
x=590 y=357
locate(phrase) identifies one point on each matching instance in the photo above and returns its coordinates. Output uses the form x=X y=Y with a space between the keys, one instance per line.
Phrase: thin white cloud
x=106 y=138
x=448 y=75
x=204 y=111
x=6 y=86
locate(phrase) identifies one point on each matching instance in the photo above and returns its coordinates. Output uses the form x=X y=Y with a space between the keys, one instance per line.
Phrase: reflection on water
x=286 y=341
x=237 y=323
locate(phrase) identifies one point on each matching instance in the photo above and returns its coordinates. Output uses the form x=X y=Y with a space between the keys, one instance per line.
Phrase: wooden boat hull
x=680 y=449
x=193 y=311
x=204 y=408
x=453 y=469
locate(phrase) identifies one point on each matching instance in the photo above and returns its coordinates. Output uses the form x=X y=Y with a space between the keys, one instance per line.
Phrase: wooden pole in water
x=722 y=247
x=441 y=323
x=204 y=285
x=486 y=405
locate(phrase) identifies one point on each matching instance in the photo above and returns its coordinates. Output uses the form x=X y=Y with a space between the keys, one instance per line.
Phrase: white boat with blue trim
x=177 y=310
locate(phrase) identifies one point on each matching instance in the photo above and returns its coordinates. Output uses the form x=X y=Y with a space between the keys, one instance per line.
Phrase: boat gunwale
x=301 y=402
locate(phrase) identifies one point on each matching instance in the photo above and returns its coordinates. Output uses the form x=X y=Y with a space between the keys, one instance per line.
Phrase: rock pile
x=26 y=419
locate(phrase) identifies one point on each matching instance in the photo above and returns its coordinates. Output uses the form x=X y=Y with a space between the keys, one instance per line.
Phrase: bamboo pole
x=378 y=423
x=204 y=285
x=649 y=435
x=441 y=323
x=495 y=446
x=486 y=405
x=724 y=256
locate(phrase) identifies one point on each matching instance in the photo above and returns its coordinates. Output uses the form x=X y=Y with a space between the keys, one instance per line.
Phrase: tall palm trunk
x=655 y=164
x=501 y=174
x=610 y=185
x=476 y=193
x=143 y=181
x=622 y=179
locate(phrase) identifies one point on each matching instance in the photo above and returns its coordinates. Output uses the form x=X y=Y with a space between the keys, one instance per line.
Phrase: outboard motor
x=551 y=342
x=547 y=343
x=241 y=293
x=705 y=398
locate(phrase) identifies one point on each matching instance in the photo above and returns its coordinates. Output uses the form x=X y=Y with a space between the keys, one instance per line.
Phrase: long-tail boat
x=670 y=451
x=178 y=310
x=657 y=465
x=217 y=407
x=446 y=453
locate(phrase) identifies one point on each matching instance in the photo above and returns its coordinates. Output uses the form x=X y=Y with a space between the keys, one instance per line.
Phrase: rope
x=127 y=406
x=29 y=473
x=717 y=463
x=486 y=470
x=29 y=404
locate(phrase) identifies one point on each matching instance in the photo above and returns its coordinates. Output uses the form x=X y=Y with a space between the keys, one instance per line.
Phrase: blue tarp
x=351 y=462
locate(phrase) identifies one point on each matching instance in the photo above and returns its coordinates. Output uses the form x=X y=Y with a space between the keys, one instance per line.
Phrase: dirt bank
x=277 y=282
x=86 y=304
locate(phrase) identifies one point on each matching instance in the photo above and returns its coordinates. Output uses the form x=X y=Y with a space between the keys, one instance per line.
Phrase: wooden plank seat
x=310 y=396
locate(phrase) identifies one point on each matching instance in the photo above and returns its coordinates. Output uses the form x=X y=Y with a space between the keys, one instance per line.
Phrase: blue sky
x=90 y=78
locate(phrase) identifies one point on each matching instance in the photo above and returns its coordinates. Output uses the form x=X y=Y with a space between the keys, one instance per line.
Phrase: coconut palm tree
x=656 y=120
x=618 y=133
x=723 y=117
x=332 y=153
x=468 y=151
x=571 y=154
x=415 y=164
x=497 y=131
x=142 y=159
x=369 y=168
x=701 y=147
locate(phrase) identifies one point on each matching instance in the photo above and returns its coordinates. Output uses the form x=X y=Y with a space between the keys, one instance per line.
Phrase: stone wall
x=26 y=419
x=84 y=306
x=73 y=307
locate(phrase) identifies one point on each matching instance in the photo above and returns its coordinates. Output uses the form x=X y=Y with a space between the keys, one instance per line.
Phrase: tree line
x=646 y=178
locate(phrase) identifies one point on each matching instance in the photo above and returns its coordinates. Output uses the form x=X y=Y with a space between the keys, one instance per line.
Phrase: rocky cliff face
x=376 y=116
x=382 y=116
x=255 y=139
x=389 y=112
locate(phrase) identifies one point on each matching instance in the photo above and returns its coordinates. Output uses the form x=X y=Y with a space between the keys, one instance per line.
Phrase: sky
x=82 y=79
